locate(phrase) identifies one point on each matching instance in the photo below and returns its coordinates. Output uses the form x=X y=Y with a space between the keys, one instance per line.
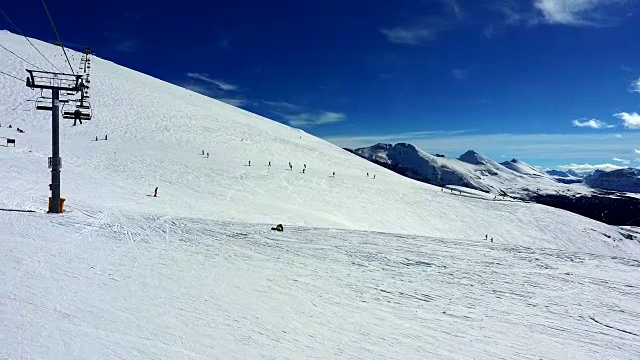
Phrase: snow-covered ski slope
x=156 y=132
x=384 y=268
x=113 y=286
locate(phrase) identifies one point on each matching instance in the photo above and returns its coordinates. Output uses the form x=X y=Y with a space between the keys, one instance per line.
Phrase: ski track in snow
x=366 y=269
x=155 y=287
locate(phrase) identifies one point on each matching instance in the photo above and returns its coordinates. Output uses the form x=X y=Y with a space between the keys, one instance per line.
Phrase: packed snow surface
x=366 y=268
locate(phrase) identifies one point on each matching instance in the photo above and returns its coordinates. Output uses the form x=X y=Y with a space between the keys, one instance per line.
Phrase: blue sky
x=555 y=83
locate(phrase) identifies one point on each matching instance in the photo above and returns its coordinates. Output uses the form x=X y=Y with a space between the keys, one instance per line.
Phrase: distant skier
x=491 y=239
x=486 y=236
x=290 y=166
x=249 y=162
x=269 y=163
x=367 y=174
x=155 y=192
x=334 y=174
x=96 y=138
x=105 y=137
x=374 y=176
x=202 y=152
x=303 y=170
x=305 y=165
x=207 y=155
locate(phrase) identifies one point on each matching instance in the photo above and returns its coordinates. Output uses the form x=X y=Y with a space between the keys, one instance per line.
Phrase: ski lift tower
x=54 y=82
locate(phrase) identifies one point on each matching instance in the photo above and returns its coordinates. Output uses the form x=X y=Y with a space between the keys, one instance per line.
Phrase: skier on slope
x=155 y=192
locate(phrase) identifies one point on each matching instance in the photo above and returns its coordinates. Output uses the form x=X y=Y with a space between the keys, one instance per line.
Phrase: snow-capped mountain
x=622 y=180
x=523 y=168
x=564 y=174
x=565 y=177
x=515 y=178
x=365 y=268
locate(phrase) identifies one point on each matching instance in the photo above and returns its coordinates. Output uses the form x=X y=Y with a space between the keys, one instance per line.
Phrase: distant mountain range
x=601 y=195
x=514 y=178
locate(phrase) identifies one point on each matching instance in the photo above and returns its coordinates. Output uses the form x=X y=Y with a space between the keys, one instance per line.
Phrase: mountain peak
x=473 y=158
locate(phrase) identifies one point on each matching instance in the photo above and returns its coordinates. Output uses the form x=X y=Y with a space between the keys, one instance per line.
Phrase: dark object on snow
x=105 y=137
x=334 y=174
x=11 y=141
x=96 y=138
x=155 y=192
x=303 y=170
x=269 y=163
x=278 y=227
x=207 y=155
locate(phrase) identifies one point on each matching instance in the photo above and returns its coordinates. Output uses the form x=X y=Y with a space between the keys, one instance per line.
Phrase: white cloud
x=592 y=123
x=222 y=85
x=197 y=88
x=623 y=161
x=618 y=136
x=409 y=36
x=282 y=105
x=460 y=74
x=629 y=120
x=590 y=167
x=234 y=102
x=311 y=119
x=574 y=12
x=635 y=86
x=637 y=151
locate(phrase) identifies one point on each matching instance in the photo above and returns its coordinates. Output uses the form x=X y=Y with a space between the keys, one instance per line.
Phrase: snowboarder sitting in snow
x=278 y=227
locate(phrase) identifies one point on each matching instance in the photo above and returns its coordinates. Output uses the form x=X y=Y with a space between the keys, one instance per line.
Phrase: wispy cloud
x=222 y=85
x=590 y=167
x=312 y=119
x=127 y=45
x=234 y=102
x=454 y=7
x=282 y=105
x=122 y=42
x=593 y=13
x=591 y=123
x=409 y=36
x=635 y=86
x=636 y=151
x=623 y=161
x=460 y=74
x=629 y=120
x=215 y=94
x=575 y=12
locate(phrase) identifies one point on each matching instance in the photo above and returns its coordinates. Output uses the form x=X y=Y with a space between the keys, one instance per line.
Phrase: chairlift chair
x=43 y=103
x=83 y=111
